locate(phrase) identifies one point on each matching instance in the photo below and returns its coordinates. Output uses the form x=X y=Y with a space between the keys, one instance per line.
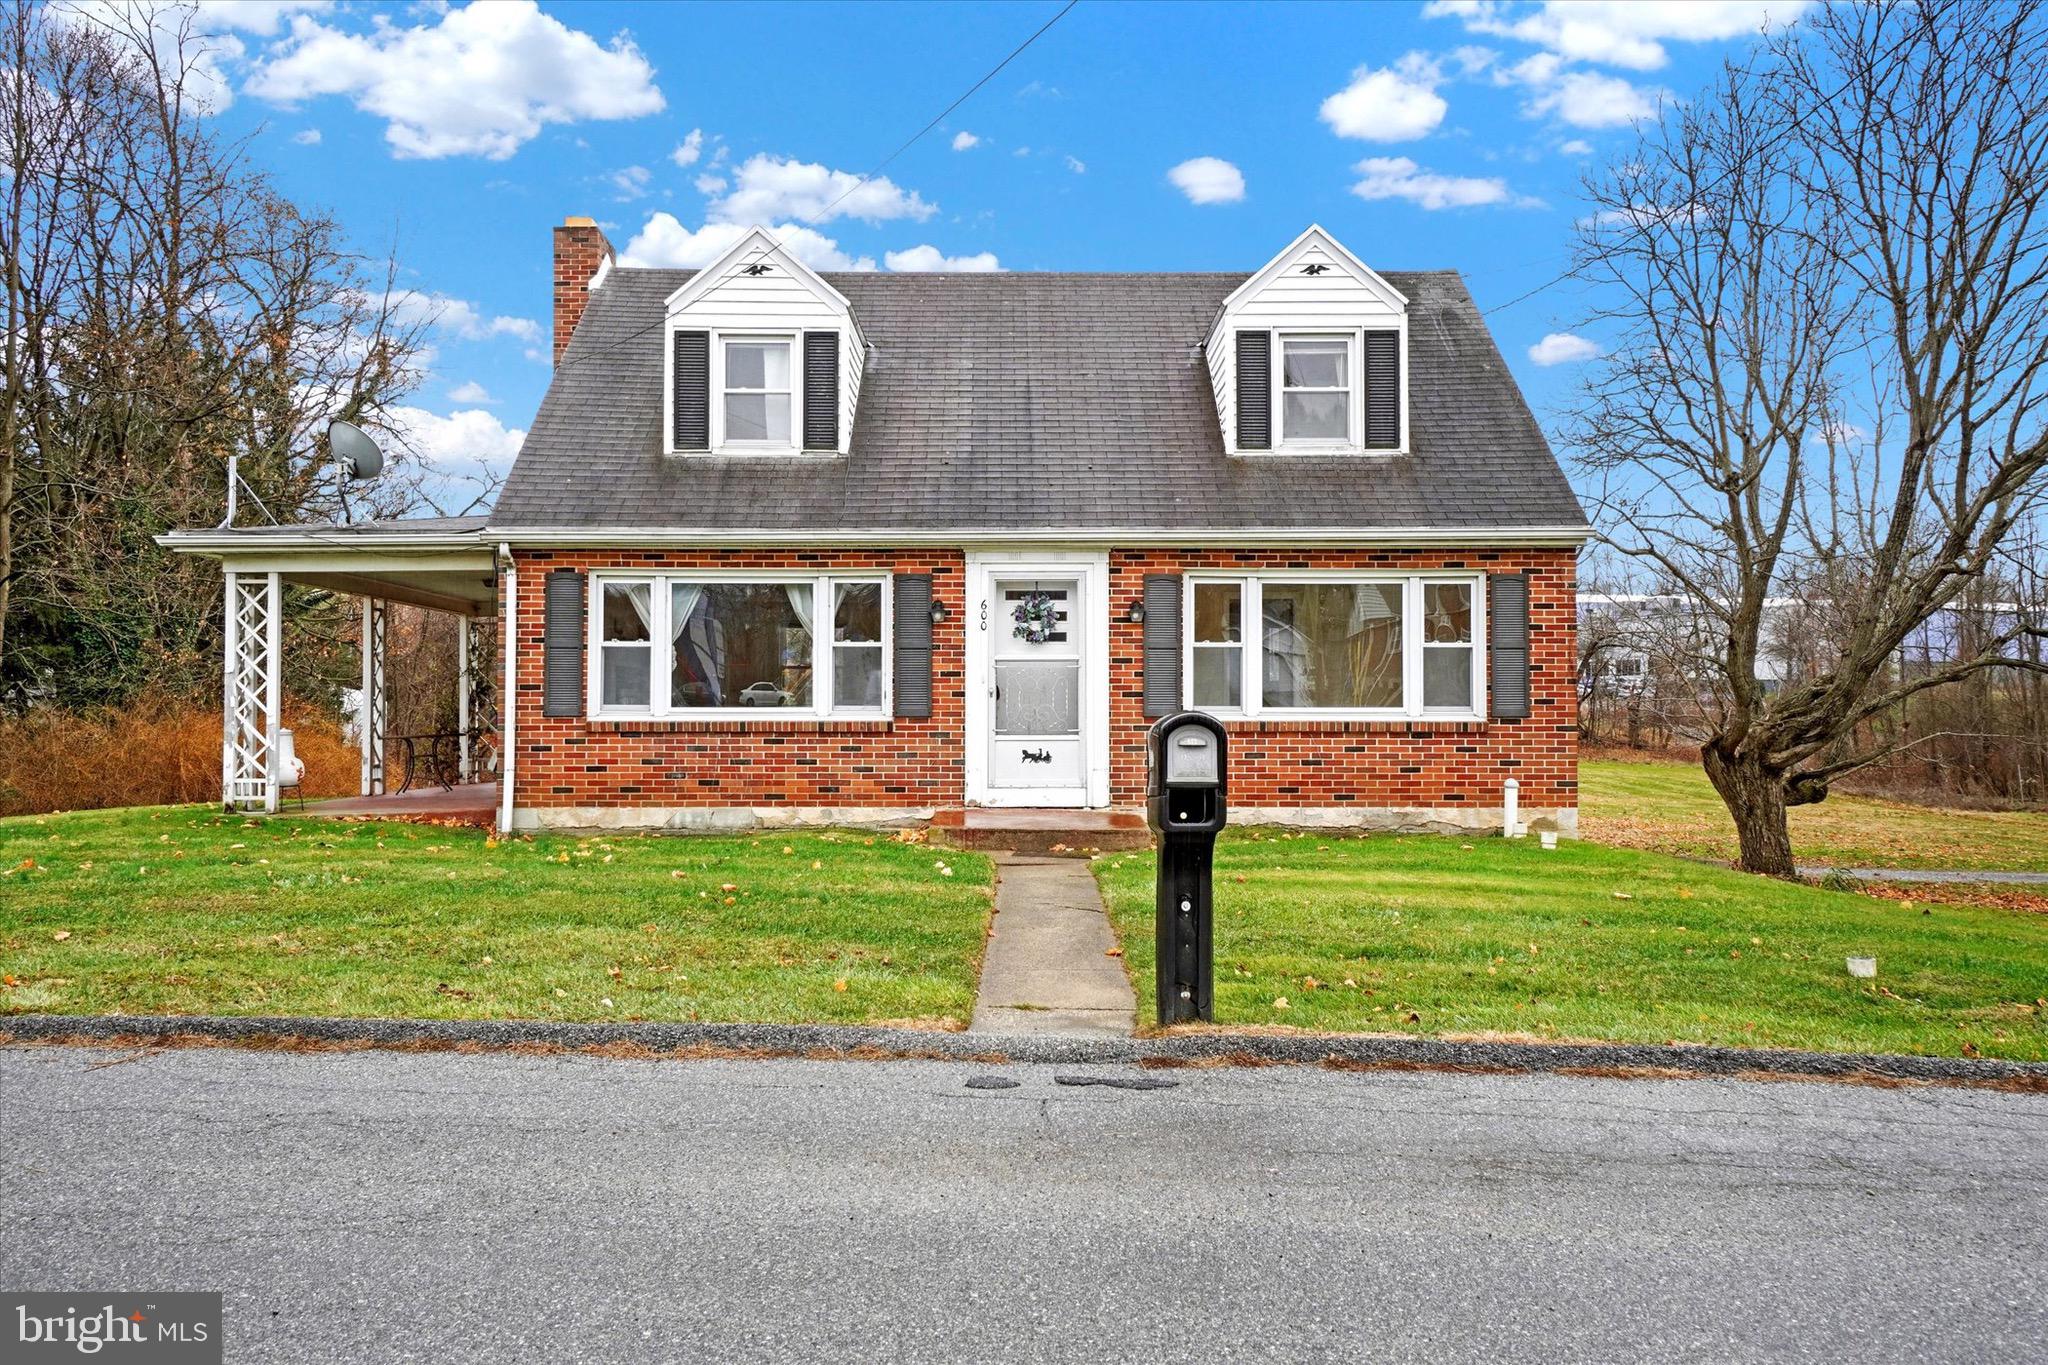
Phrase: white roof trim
x=757 y=238
x=1313 y=235
x=1479 y=539
x=603 y=273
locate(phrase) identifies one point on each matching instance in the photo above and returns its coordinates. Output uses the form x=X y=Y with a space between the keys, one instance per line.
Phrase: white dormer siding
x=759 y=291
x=1313 y=292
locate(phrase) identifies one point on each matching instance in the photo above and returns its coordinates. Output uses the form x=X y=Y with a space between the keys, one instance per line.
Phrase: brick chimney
x=580 y=248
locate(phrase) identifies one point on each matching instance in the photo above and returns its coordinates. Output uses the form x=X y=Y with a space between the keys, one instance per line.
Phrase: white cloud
x=469 y=391
x=468 y=437
x=1392 y=104
x=769 y=188
x=1077 y=165
x=457 y=316
x=963 y=140
x=708 y=183
x=1590 y=99
x=480 y=81
x=1562 y=348
x=1208 y=180
x=260 y=17
x=930 y=258
x=1577 y=146
x=629 y=182
x=689 y=149
x=1398 y=177
x=1625 y=33
x=665 y=242
x=309 y=137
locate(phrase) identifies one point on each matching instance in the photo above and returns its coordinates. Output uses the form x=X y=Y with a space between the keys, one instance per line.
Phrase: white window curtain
x=640 y=597
x=800 y=603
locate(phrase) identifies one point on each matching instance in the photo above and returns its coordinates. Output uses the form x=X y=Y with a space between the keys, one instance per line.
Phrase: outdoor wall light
x=1135 y=613
x=939 y=612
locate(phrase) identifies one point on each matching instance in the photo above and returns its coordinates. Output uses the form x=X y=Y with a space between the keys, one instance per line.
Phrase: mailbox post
x=1185 y=805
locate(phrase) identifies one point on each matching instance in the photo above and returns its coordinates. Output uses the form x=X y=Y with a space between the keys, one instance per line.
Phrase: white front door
x=1037 y=689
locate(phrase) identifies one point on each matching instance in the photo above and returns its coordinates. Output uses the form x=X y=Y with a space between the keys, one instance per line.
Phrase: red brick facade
x=908 y=764
x=1406 y=765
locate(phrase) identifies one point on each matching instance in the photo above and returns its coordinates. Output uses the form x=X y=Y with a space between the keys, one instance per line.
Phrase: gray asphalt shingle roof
x=1032 y=401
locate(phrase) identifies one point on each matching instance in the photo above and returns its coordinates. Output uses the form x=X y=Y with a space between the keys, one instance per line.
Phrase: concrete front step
x=1074 y=832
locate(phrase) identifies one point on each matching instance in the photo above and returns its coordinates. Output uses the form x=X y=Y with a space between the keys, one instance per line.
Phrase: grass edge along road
x=1438 y=936
x=182 y=910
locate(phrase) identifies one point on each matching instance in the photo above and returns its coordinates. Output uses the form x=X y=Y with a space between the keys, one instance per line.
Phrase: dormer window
x=1315 y=390
x=758 y=397
x=764 y=358
x=1309 y=356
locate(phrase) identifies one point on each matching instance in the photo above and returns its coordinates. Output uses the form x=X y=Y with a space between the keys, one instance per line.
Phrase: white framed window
x=1317 y=377
x=625 y=625
x=733 y=645
x=1216 y=645
x=1335 y=644
x=757 y=391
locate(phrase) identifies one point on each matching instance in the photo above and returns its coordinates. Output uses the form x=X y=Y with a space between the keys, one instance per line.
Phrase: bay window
x=694 y=645
x=1323 y=644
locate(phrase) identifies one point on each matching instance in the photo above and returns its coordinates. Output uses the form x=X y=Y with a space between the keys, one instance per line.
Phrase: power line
x=880 y=166
x=992 y=74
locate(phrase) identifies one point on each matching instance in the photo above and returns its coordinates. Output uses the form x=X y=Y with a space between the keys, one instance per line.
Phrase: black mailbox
x=1187 y=794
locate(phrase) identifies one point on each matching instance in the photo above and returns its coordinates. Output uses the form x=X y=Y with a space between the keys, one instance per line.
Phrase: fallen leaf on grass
x=1621 y=895
x=1280 y=1003
x=839 y=985
x=61 y=935
x=1112 y=952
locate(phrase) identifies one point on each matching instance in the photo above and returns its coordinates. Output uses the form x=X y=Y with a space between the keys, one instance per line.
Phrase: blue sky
x=1130 y=136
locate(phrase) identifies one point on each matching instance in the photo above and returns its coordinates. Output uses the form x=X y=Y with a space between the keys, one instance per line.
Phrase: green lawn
x=1671 y=808
x=1437 y=936
x=183 y=911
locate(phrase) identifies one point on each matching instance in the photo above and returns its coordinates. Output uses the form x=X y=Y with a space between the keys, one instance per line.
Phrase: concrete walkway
x=1048 y=968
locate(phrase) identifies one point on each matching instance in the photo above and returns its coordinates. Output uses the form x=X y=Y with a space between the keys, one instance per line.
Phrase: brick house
x=853 y=548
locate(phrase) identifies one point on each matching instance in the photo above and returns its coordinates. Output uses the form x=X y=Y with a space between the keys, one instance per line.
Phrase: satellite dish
x=360 y=458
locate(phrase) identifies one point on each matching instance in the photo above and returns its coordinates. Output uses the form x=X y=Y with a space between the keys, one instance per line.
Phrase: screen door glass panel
x=1037 y=681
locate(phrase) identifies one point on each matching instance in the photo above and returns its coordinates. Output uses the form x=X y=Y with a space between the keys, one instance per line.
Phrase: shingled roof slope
x=1032 y=402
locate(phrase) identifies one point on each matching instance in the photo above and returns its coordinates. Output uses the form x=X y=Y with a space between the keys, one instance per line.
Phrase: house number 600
x=984 y=613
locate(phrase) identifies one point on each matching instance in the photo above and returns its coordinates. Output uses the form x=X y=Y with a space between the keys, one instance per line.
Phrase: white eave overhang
x=1388 y=537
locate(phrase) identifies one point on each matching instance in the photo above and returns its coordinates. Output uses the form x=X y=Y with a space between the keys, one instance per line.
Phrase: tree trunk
x=1755 y=796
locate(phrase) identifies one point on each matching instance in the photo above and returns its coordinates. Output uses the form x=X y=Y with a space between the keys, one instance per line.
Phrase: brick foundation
x=709 y=774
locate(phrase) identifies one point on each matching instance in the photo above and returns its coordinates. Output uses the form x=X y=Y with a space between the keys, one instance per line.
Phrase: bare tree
x=167 y=309
x=1830 y=280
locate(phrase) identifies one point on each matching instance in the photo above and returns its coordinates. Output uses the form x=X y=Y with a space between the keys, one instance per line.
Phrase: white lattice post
x=467 y=761
x=374 y=706
x=228 y=651
x=273 y=686
x=252 y=690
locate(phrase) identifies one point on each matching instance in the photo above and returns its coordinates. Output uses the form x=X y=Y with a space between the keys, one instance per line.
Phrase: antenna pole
x=234 y=486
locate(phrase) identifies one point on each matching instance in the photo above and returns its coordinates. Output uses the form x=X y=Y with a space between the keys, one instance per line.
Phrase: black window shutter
x=914 y=645
x=1254 y=390
x=562 y=644
x=821 y=390
x=1383 y=390
x=1507 y=631
x=693 y=390
x=1162 y=644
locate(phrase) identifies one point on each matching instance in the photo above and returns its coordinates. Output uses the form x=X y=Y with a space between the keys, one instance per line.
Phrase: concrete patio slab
x=1048 y=969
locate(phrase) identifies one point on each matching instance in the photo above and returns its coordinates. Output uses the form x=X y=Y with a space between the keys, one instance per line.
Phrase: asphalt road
x=386 y=1207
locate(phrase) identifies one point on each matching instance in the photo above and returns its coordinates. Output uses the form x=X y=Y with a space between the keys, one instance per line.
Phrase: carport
x=439 y=563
